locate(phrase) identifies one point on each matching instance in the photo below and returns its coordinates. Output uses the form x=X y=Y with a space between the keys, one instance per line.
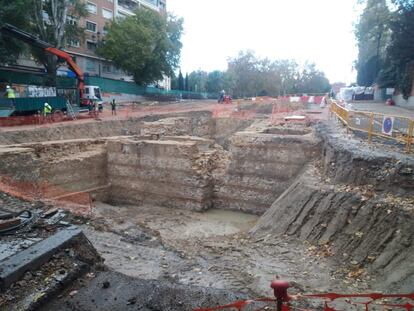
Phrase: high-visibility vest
x=10 y=93
x=47 y=109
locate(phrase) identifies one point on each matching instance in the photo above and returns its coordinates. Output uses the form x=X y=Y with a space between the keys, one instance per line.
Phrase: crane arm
x=72 y=65
x=28 y=38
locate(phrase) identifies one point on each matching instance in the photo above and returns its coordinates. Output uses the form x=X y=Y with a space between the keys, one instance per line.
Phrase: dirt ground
x=210 y=249
x=125 y=112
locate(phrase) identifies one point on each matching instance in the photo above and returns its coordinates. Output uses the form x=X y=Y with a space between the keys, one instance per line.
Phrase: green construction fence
x=105 y=84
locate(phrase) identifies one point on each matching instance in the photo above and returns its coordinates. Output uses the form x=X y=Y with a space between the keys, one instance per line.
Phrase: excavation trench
x=273 y=201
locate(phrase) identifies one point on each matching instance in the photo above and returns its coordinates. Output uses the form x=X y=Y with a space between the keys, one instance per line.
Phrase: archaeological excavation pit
x=221 y=204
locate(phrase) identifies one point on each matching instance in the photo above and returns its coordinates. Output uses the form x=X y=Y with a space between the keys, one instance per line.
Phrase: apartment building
x=126 y=7
x=101 y=12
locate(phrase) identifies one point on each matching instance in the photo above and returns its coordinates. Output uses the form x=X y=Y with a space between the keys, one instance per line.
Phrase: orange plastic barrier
x=79 y=203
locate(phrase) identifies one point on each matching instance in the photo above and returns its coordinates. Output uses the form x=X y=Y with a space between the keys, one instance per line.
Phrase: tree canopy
x=373 y=34
x=385 y=37
x=57 y=31
x=398 y=69
x=147 y=45
x=248 y=75
x=15 y=13
x=48 y=20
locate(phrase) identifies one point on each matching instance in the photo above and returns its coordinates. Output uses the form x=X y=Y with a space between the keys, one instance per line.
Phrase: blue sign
x=387 y=125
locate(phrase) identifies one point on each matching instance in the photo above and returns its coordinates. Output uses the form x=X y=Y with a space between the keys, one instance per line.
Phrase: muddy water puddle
x=179 y=224
x=207 y=224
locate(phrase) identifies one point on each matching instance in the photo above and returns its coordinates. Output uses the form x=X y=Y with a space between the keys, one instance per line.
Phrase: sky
x=319 y=31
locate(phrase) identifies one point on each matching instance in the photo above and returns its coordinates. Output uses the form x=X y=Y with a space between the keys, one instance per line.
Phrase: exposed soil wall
x=353 y=162
x=199 y=124
x=260 y=167
x=172 y=173
x=362 y=232
x=81 y=164
x=96 y=129
x=359 y=203
x=62 y=167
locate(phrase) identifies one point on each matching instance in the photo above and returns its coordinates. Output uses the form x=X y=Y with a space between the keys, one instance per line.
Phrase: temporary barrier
x=327 y=302
x=397 y=128
x=77 y=202
x=235 y=111
x=38 y=119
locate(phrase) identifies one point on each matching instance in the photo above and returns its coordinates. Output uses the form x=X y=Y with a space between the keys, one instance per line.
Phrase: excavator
x=86 y=93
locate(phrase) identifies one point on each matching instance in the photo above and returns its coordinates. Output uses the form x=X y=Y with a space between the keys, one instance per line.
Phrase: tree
x=180 y=81
x=243 y=68
x=312 y=80
x=147 y=45
x=49 y=20
x=288 y=72
x=186 y=88
x=398 y=69
x=16 y=13
x=373 y=34
x=174 y=82
x=197 y=81
x=215 y=81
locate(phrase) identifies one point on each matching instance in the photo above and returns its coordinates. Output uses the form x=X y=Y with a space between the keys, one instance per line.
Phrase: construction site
x=194 y=205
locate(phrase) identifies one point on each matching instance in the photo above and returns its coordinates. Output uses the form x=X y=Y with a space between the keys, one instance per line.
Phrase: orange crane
x=28 y=38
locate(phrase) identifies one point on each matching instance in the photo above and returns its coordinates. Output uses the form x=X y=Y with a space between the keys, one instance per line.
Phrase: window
x=108 y=14
x=75 y=43
x=91 y=7
x=105 y=30
x=90 y=65
x=106 y=68
x=70 y=20
x=121 y=15
x=91 y=45
x=90 y=26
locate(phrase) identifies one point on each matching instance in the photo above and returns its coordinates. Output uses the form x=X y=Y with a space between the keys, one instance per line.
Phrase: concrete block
x=12 y=268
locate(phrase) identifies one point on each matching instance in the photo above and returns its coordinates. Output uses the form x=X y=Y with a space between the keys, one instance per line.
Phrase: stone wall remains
x=260 y=167
x=173 y=172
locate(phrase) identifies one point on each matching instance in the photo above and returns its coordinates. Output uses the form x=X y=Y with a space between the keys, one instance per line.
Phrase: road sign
x=387 y=125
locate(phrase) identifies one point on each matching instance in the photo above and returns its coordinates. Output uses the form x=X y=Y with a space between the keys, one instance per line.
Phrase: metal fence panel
x=397 y=128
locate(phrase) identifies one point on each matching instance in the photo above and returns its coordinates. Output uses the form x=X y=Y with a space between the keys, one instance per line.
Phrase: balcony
x=127 y=7
x=152 y=4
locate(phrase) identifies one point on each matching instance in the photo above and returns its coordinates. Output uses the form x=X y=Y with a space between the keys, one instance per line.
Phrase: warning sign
x=387 y=125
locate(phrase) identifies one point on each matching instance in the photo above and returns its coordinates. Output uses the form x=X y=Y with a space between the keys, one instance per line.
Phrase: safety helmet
x=7 y=87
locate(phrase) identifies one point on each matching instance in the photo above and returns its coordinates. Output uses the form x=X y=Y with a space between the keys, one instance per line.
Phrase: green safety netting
x=105 y=84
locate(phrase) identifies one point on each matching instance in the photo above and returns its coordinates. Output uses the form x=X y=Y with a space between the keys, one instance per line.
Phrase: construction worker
x=10 y=94
x=325 y=101
x=113 y=107
x=221 y=96
x=47 y=110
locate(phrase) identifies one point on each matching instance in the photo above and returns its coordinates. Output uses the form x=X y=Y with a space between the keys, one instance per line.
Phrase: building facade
x=101 y=12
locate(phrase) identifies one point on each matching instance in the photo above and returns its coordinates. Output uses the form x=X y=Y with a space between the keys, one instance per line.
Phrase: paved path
x=383 y=108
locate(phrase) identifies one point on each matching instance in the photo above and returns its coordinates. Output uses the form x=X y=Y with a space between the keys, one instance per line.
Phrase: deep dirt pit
x=158 y=174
